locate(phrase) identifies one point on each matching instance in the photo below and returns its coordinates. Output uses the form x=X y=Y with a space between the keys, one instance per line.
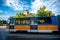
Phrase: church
x=26 y=12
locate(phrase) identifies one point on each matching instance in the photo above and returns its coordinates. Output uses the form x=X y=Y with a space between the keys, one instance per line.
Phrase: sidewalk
x=2 y=26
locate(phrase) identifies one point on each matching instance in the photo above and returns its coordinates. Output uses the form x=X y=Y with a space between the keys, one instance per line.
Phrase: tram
x=34 y=24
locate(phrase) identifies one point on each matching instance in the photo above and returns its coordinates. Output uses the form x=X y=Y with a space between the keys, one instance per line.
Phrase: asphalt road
x=5 y=35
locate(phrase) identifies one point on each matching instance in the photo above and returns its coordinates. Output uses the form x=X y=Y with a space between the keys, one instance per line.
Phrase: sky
x=11 y=7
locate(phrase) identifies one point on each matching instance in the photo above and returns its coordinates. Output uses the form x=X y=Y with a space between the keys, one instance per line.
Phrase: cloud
x=1 y=11
x=50 y=5
x=3 y=17
x=33 y=7
x=36 y=5
x=14 y=4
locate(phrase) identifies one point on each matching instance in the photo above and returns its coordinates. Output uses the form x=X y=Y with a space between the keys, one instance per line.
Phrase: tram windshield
x=12 y=22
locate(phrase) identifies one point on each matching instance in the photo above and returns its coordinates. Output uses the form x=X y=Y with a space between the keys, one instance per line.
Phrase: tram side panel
x=22 y=27
x=49 y=27
x=40 y=27
x=17 y=27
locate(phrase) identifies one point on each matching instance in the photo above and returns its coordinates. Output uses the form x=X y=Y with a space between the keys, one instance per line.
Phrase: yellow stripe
x=22 y=27
x=47 y=27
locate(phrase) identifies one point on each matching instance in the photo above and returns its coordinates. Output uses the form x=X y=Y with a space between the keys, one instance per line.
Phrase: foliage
x=40 y=12
x=2 y=22
x=19 y=15
x=43 y=12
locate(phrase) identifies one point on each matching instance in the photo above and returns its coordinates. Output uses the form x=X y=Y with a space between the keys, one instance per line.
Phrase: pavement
x=2 y=26
x=6 y=35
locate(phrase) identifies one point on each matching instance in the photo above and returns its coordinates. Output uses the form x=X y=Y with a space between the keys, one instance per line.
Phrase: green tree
x=4 y=22
x=19 y=15
x=0 y=22
x=43 y=12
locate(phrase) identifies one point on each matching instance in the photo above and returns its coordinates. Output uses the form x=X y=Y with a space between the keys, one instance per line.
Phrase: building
x=26 y=12
x=29 y=14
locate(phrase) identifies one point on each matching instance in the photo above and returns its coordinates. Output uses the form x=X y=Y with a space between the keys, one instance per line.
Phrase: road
x=5 y=35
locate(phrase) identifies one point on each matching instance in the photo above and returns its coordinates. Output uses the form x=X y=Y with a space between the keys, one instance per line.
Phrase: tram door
x=58 y=21
x=33 y=25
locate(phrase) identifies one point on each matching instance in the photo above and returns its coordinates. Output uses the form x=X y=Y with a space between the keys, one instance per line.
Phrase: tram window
x=23 y=21
x=17 y=21
x=41 y=21
x=27 y=21
x=11 y=22
x=33 y=22
x=44 y=20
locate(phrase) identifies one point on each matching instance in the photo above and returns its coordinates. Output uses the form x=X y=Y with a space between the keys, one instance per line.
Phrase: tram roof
x=31 y=17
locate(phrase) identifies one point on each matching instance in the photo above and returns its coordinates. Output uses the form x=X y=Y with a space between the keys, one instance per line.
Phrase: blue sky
x=11 y=7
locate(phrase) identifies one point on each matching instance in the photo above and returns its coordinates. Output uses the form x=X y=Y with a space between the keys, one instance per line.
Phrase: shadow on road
x=5 y=35
x=24 y=32
x=15 y=38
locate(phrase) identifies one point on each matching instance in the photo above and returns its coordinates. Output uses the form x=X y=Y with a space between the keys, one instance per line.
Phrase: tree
x=19 y=15
x=0 y=22
x=3 y=22
x=43 y=12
